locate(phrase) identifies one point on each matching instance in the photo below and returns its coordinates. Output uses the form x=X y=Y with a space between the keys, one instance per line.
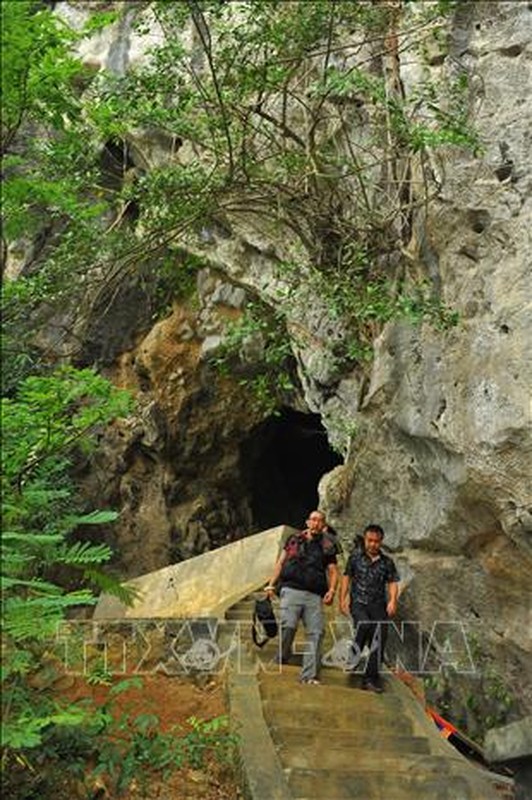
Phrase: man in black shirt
x=369 y=590
x=307 y=574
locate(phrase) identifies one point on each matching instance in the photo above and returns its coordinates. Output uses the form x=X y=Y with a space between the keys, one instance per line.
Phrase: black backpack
x=263 y=618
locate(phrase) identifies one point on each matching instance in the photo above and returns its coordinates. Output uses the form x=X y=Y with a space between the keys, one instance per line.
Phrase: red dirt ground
x=173 y=700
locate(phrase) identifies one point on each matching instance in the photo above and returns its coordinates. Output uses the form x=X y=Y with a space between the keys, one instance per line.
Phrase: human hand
x=391 y=608
x=329 y=597
x=344 y=607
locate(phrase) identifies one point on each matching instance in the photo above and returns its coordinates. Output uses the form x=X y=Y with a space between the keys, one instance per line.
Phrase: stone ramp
x=335 y=741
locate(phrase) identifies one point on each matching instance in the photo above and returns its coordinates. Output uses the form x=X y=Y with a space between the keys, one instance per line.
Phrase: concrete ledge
x=492 y=783
x=262 y=773
x=204 y=586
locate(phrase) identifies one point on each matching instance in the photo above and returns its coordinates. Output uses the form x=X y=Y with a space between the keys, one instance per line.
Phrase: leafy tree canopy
x=292 y=112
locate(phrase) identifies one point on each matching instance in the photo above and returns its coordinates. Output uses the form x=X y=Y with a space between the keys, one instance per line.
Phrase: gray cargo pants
x=296 y=605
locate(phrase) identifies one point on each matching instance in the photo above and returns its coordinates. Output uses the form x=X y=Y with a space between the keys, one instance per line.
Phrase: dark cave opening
x=282 y=461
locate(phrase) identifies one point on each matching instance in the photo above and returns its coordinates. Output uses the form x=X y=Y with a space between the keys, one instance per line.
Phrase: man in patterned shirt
x=369 y=590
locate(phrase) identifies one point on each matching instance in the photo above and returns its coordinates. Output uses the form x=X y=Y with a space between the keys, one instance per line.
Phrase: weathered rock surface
x=173 y=468
x=510 y=741
x=438 y=438
x=443 y=458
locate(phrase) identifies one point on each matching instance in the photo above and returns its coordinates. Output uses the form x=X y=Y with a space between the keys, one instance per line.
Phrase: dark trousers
x=366 y=619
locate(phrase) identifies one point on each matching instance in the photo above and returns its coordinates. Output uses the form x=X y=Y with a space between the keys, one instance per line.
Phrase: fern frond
x=32 y=538
x=38 y=617
x=33 y=583
x=111 y=585
x=83 y=553
x=96 y=518
x=26 y=731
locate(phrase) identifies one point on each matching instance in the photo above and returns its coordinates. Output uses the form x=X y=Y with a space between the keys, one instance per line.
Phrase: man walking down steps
x=369 y=591
x=307 y=574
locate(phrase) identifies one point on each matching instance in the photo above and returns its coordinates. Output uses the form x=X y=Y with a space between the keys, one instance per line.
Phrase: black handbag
x=263 y=619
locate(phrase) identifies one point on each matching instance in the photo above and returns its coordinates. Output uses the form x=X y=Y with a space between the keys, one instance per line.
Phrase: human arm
x=392 y=585
x=393 y=594
x=345 y=585
x=270 y=588
x=332 y=580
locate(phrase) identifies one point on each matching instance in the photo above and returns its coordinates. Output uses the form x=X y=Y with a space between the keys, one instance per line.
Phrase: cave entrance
x=282 y=461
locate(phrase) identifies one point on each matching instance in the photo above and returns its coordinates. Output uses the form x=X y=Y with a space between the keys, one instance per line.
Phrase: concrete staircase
x=326 y=742
x=335 y=741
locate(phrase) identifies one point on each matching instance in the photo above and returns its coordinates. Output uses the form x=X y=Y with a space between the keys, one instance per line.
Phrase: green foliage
x=224 y=93
x=474 y=701
x=209 y=737
x=173 y=196
x=124 y=747
x=363 y=300
x=41 y=110
x=444 y=124
x=44 y=426
x=491 y=701
x=49 y=416
x=275 y=109
x=257 y=346
x=237 y=96
x=38 y=69
x=177 y=280
x=99 y=676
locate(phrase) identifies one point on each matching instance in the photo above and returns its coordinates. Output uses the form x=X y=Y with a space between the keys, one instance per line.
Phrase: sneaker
x=311 y=682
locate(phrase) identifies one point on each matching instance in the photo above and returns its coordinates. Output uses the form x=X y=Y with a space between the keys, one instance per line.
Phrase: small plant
x=258 y=345
x=99 y=676
x=176 y=280
x=475 y=701
x=209 y=737
x=132 y=748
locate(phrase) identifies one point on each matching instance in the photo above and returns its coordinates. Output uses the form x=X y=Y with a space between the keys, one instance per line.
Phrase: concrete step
x=320 y=716
x=312 y=739
x=275 y=685
x=332 y=676
x=344 y=711
x=378 y=760
x=328 y=675
x=324 y=784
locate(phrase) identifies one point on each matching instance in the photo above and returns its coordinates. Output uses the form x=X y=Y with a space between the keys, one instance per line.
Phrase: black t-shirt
x=370 y=578
x=330 y=533
x=306 y=562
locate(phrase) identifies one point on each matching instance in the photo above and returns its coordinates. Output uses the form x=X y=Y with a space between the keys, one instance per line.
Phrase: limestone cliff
x=435 y=435
x=443 y=457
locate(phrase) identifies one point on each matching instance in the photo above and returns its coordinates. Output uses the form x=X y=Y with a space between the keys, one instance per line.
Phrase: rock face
x=437 y=437
x=174 y=467
x=443 y=458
